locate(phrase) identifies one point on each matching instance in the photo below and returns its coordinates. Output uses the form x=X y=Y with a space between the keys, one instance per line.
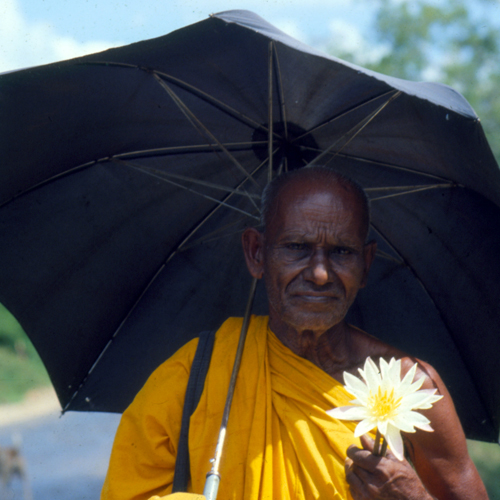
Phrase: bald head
x=307 y=179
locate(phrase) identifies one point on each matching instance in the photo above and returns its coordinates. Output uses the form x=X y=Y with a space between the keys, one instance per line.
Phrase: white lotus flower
x=386 y=402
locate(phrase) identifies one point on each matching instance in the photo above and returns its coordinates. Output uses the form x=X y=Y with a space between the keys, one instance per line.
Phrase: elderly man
x=281 y=443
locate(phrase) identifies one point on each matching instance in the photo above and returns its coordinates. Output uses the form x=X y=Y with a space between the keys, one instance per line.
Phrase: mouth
x=316 y=297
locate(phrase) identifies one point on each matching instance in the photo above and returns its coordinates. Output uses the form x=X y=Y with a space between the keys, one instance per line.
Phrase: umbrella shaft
x=213 y=477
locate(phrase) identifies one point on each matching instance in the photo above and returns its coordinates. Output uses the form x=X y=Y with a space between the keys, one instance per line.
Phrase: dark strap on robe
x=194 y=389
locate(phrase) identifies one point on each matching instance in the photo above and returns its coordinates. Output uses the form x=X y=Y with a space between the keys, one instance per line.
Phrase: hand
x=381 y=478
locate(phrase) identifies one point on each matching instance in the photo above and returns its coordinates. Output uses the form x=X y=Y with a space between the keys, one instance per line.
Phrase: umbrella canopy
x=128 y=176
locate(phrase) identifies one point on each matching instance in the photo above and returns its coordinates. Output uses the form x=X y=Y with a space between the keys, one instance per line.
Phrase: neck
x=330 y=349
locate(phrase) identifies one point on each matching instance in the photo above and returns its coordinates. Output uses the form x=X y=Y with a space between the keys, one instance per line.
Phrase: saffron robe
x=280 y=443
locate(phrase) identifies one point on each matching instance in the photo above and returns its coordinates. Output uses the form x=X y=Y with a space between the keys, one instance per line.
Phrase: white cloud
x=24 y=44
x=292 y=29
x=346 y=37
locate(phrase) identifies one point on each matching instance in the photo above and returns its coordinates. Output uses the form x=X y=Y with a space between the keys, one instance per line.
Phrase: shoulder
x=166 y=386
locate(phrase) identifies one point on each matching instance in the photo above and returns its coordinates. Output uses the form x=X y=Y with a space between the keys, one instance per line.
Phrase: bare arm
x=442 y=470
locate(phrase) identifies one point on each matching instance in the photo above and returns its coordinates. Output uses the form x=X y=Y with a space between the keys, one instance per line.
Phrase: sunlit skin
x=314 y=259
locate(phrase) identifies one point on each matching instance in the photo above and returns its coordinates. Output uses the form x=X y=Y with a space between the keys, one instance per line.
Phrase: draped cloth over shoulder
x=280 y=442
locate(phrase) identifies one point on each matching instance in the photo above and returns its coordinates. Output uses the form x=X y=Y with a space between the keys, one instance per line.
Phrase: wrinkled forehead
x=328 y=196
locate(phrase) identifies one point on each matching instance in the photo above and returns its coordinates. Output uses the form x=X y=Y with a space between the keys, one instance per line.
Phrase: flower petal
x=420 y=399
x=403 y=423
x=416 y=419
x=371 y=375
x=394 y=371
x=364 y=426
x=382 y=426
x=395 y=442
x=408 y=378
x=348 y=413
x=355 y=386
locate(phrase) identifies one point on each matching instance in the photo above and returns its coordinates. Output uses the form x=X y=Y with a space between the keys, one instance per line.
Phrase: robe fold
x=280 y=443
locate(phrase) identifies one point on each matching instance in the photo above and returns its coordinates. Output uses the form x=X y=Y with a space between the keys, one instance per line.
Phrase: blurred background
x=456 y=42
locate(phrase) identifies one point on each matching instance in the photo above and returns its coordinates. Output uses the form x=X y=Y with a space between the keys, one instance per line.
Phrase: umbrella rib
x=213 y=236
x=281 y=98
x=200 y=127
x=53 y=178
x=201 y=148
x=354 y=131
x=383 y=164
x=180 y=246
x=409 y=190
x=281 y=92
x=270 y=113
x=161 y=174
x=385 y=255
x=427 y=292
x=133 y=154
x=188 y=87
x=176 y=184
x=345 y=113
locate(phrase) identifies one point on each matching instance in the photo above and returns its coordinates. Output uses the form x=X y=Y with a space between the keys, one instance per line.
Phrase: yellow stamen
x=383 y=405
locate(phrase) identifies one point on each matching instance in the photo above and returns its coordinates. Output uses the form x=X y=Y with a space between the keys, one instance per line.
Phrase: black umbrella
x=128 y=176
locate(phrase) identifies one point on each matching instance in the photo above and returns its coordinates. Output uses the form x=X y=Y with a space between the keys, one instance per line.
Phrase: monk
x=313 y=255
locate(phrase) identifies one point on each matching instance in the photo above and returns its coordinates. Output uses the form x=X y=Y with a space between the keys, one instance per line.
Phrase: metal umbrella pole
x=213 y=477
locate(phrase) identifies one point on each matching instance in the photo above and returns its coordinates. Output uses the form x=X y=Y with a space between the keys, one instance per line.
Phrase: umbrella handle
x=211 y=486
x=213 y=477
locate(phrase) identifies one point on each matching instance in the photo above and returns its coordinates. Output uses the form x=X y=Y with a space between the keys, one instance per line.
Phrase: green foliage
x=455 y=42
x=486 y=456
x=20 y=366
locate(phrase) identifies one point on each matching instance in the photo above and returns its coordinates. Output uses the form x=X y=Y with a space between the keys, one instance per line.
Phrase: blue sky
x=34 y=32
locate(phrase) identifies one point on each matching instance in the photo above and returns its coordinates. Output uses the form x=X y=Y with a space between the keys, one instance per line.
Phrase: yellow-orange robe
x=280 y=443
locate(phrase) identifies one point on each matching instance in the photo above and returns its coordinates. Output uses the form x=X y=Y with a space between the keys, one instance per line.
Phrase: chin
x=318 y=323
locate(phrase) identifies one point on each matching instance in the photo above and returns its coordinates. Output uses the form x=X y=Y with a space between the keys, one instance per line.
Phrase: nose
x=319 y=268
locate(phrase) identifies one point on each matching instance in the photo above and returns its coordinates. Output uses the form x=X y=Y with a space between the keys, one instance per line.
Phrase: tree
x=453 y=41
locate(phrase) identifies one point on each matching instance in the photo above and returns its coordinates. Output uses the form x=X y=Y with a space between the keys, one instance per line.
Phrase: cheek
x=351 y=278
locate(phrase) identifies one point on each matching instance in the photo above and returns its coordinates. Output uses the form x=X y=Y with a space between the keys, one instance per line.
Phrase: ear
x=369 y=256
x=253 y=248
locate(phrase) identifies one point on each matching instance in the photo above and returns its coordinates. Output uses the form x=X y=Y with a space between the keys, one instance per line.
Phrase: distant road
x=66 y=456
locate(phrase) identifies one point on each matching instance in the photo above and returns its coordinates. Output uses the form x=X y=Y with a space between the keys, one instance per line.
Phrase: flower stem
x=383 y=451
x=376 y=447
x=377 y=450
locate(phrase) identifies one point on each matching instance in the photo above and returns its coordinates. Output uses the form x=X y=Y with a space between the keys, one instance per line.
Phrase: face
x=314 y=257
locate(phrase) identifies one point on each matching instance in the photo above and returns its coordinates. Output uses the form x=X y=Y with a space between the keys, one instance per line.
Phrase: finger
x=367 y=442
x=363 y=458
x=356 y=484
x=352 y=450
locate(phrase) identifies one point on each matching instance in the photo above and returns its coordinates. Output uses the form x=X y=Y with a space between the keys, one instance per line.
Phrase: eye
x=342 y=251
x=300 y=247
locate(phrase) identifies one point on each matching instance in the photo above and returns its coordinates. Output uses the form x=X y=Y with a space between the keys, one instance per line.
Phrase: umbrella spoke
x=200 y=127
x=402 y=190
x=54 y=178
x=346 y=113
x=281 y=93
x=161 y=175
x=281 y=98
x=200 y=224
x=386 y=256
x=191 y=89
x=218 y=234
x=270 y=114
x=194 y=148
x=384 y=164
x=351 y=134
